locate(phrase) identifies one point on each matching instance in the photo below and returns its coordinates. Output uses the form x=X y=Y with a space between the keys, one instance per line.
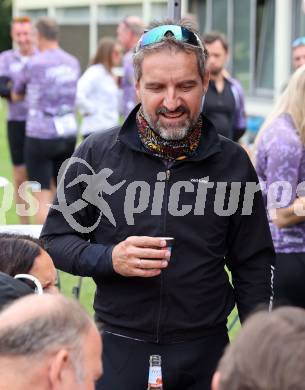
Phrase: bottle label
x=155 y=377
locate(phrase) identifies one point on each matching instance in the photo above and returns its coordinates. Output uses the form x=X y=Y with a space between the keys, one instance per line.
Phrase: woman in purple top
x=280 y=164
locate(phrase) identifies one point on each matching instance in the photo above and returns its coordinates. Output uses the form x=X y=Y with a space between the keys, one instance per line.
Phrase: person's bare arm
x=16 y=98
x=289 y=216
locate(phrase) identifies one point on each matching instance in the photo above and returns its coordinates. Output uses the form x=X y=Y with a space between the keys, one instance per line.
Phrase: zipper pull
x=168 y=173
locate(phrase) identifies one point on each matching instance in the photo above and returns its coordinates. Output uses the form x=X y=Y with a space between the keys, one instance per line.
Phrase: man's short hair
x=267 y=354
x=47 y=28
x=171 y=44
x=62 y=325
x=21 y=19
x=134 y=24
x=214 y=36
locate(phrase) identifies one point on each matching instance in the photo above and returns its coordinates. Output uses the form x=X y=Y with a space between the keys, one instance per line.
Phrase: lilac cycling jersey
x=129 y=99
x=280 y=157
x=49 y=81
x=11 y=65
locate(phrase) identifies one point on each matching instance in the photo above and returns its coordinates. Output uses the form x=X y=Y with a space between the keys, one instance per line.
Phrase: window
x=158 y=11
x=34 y=14
x=199 y=9
x=264 y=53
x=240 y=51
x=113 y=14
x=73 y=15
x=219 y=16
x=249 y=26
x=298 y=19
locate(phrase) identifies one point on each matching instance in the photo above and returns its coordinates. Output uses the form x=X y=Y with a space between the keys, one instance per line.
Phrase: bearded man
x=169 y=170
x=224 y=101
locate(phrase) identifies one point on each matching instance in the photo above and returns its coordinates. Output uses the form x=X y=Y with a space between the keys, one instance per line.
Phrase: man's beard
x=171 y=132
x=216 y=72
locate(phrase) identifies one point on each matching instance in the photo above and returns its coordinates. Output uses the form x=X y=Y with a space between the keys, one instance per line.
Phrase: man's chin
x=173 y=133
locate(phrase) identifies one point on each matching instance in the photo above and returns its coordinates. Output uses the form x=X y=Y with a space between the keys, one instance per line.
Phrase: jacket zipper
x=165 y=204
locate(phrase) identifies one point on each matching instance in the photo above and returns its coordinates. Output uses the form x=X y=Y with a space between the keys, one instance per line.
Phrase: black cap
x=11 y=289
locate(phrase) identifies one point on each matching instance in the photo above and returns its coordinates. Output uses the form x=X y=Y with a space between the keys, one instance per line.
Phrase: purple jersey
x=49 y=81
x=11 y=65
x=129 y=99
x=280 y=156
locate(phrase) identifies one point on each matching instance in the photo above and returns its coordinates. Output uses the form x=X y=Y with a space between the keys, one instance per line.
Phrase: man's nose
x=22 y=38
x=171 y=100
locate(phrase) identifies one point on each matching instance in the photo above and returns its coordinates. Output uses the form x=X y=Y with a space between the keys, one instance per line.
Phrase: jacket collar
x=209 y=142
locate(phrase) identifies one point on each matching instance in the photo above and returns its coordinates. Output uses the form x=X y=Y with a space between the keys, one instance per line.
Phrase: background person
x=128 y=33
x=12 y=63
x=224 y=101
x=151 y=300
x=49 y=81
x=298 y=52
x=22 y=254
x=12 y=289
x=267 y=354
x=97 y=90
x=280 y=157
x=51 y=343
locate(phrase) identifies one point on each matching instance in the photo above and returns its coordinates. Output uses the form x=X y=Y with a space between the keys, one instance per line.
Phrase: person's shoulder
x=101 y=139
x=280 y=139
x=234 y=155
x=127 y=58
x=232 y=147
x=7 y=53
x=235 y=83
x=68 y=56
x=282 y=129
x=37 y=58
x=97 y=69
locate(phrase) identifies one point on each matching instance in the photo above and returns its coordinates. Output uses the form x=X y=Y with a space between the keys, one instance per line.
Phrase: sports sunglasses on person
x=157 y=34
x=298 y=42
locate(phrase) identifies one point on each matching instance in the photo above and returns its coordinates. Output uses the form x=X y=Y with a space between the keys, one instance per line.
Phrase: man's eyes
x=154 y=87
x=184 y=87
x=187 y=87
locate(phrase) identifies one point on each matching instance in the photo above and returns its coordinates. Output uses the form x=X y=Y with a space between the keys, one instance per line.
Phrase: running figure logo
x=97 y=185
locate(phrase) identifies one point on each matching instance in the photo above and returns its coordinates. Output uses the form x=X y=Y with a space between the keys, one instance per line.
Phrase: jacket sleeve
x=66 y=232
x=251 y=255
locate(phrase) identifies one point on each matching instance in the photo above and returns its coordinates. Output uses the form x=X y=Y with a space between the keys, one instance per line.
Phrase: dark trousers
x=185 y=366
x=289 y=279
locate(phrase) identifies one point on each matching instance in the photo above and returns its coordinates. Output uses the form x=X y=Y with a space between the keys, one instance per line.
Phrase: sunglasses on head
x=160 y=33
x=298 y=42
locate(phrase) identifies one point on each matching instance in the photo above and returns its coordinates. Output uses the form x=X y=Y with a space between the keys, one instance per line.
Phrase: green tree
x=5 y=18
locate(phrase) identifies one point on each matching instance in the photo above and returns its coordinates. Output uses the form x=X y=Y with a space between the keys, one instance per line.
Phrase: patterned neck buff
x=168 y=149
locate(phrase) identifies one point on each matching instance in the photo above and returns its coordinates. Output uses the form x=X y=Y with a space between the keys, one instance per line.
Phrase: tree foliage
x=5 y=18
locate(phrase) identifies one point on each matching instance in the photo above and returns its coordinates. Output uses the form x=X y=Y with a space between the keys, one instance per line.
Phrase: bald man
x=48 y=342
x=128 y=33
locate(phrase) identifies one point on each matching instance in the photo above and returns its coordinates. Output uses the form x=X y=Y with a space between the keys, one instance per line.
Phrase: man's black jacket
x=193 y=296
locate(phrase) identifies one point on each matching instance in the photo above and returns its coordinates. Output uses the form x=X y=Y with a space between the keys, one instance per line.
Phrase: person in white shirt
x=97 y=90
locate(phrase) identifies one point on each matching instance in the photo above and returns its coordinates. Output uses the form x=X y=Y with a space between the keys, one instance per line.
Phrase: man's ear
x=137 y=86
x=215 y=381
x=59 y=365
x=205 y=81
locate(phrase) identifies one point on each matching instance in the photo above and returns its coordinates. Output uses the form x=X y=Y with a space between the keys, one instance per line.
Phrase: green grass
x=67 y=281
